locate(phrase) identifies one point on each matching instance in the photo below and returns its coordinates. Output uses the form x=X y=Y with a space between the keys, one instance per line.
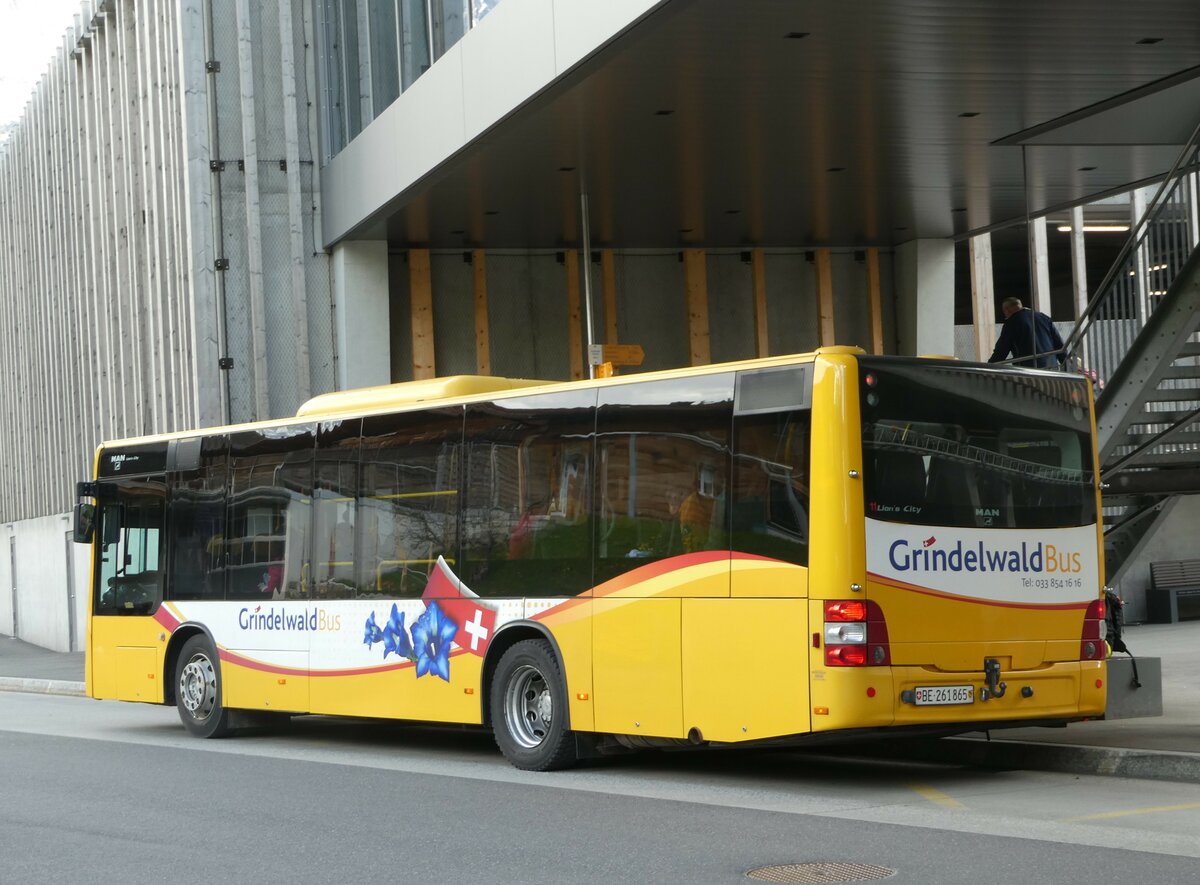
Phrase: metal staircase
x=1140 y=335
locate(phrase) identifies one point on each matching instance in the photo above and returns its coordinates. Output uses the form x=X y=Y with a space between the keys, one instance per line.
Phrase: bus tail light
x=855 y=634
x=1091 y=642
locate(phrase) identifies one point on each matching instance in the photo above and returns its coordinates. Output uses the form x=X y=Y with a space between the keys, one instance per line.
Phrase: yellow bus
x=803 y=548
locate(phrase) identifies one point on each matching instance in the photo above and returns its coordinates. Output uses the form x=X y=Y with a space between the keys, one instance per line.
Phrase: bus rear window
x=955 y=446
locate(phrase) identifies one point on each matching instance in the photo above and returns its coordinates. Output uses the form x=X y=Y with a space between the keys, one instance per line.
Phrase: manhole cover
x=816 y=873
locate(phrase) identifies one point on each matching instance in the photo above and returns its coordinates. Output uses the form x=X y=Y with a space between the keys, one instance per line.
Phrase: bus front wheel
x=198 y=689
x=529 y=708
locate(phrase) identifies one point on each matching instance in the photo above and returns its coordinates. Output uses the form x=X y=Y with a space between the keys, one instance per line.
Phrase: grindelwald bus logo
x=282 y=620
x=982 y=557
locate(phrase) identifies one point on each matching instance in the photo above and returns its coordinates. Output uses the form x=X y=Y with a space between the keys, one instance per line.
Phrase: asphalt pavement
x=1165 y=747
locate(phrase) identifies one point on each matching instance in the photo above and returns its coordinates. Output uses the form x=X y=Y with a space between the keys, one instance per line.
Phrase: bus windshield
x=971 y=447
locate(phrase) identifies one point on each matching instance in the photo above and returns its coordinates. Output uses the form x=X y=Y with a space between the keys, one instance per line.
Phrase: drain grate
x=818 y=873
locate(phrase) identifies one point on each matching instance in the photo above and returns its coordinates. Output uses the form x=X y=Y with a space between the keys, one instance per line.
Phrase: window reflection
x=663 y=460
x=270 y=500
x=526 y=517
x=409 y=500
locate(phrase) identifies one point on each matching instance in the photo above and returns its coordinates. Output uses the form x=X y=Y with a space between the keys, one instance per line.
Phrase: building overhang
x=767 y=122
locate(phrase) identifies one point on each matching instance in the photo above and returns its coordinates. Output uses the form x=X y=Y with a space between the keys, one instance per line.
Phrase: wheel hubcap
x=528 y=707
x=198 y=687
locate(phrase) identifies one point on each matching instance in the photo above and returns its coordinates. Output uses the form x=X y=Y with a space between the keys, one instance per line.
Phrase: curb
x=42 y=686
x=1069 y=758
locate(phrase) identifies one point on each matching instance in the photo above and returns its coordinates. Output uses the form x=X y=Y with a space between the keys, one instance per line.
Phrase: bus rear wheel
x=198 y=689
x=529 y=708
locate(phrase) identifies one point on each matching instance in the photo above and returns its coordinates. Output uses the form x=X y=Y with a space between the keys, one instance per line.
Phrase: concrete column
x=983 y=298
x=1039 y=261
x=1137 y=210
x=360 y=313
x=924 y=285
x=1078 y=262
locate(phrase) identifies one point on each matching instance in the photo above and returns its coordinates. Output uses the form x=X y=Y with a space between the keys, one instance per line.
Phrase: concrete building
x=214 y=209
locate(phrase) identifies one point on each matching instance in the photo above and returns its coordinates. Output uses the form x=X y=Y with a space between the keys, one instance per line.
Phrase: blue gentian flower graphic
x=431 y=636
x=373 y=634
x=395 y=637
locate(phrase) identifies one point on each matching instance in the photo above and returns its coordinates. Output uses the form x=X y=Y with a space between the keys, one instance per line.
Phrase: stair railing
x=1158 y=246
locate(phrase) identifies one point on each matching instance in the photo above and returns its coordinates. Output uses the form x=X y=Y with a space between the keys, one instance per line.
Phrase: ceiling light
x=1097 y=228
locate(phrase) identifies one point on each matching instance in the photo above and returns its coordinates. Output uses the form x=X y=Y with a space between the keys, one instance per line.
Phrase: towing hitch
x=991 y=675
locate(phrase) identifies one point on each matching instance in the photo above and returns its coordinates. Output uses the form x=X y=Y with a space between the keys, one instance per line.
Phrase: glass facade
x=372 y=50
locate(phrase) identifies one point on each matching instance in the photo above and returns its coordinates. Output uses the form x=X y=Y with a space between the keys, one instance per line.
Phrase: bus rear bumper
x=1069 y=690
x=922 y=696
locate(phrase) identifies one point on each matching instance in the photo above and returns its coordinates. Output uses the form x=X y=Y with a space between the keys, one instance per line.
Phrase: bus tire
x=198 y=689
x=529 y=708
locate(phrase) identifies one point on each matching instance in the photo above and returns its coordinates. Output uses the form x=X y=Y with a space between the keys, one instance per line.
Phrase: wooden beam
x=825 y=330
x=420 y=291
x=695 y=283
x=983 y=298
x=608 y=286
x=758 y=282
x=574 y=317
x=483 y=346
x=874 y=301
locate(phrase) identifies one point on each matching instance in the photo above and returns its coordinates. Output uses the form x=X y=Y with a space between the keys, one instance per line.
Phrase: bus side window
x=197 y=524
x=526 y=508
x=663 y=468
x=270 y=500
x=335 y=510
x=771 y=485
x=407 y=515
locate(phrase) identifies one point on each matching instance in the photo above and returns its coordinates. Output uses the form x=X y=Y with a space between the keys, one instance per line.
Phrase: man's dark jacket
x=1025 y=333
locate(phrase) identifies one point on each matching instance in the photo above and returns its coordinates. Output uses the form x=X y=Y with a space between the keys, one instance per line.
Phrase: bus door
x=126 y=656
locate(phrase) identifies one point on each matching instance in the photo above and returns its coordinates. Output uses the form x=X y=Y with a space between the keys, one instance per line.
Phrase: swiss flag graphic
x=476 y=621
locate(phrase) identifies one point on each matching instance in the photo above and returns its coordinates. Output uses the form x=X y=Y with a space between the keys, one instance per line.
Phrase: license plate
x=944 y=695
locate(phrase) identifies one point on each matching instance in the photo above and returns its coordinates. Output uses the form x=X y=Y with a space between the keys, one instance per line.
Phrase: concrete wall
x=143 y=242
x=1173 y=536
x=52 y=574
x=529 y=320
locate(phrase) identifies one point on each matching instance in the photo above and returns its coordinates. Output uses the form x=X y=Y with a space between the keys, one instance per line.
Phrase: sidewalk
x=25 y=667
x=1164 y=747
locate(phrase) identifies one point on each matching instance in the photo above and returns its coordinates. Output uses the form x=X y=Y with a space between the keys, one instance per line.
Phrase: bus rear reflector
x=855 y=634
x=1091 y=643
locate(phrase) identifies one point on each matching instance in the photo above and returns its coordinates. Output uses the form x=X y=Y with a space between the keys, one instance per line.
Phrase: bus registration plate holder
x=944 y=695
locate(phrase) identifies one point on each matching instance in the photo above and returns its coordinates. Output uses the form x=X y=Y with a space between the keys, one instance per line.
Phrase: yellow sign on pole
x=622 y=354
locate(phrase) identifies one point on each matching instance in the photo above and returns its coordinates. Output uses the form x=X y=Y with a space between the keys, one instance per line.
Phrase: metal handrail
x=1185 y=164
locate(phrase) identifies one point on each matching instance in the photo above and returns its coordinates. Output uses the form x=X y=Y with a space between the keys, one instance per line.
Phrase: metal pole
x=214 y=154
x=587 y=279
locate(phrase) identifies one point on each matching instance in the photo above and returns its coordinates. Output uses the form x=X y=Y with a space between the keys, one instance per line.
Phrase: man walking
x=1029 y=336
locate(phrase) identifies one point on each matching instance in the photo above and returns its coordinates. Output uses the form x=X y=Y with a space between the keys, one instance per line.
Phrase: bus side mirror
x=85 y=522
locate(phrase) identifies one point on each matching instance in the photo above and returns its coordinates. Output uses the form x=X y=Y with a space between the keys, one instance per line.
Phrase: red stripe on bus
x=168 y=620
